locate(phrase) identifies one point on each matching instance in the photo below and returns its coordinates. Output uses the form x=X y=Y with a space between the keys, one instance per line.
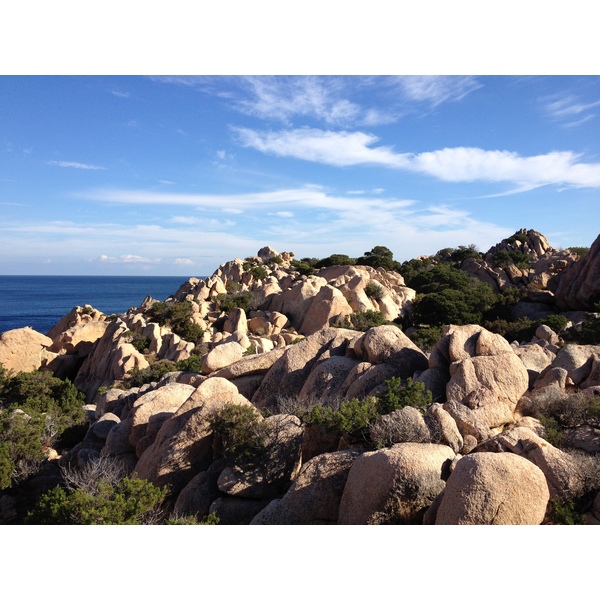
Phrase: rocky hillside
x=254 y=396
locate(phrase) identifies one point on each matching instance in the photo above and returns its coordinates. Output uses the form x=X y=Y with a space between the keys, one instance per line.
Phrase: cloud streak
x=74 y=165
x=457 y=165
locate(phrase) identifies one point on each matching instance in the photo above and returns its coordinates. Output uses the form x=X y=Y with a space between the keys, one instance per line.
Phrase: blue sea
x=40 y=301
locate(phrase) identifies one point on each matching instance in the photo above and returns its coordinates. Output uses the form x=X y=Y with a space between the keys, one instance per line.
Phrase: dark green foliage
x=126 y=503
x=587 y=332
x=22 y=442
x=363 y=320
x=505 y=258
x=40 y=391
x=564 y=512
x=399 y=394
x=275 y=260
x=335 y=259
x=210 y=519
x=456 y=307
x=139 y=377
x=241 y=433
x=354 y=418
x=380 y=256
x=7 y=466
x=227 y=302
x=521 y=237
x=140 y=343
x=38 y=411
x=411 y=268
x=426 y=337
x=579 y=250
x=303 y=266
x=177 y=316
x=259 y=272
x=193 y=363
x=374 y=291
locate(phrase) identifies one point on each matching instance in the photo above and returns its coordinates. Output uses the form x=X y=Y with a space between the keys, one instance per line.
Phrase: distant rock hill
x=273 y=341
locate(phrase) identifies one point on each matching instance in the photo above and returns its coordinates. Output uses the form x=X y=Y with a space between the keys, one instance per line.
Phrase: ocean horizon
x=40 y=301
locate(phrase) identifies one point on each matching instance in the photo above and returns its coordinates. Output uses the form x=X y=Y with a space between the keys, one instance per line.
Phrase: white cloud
x=166 y=182
x=183 y=261
x=285 y=214
x=128 y=258
x=437 y=89
x=338 y=148
x=569 y=109
x=459 y=164
x=74 y=165
x=121 y=94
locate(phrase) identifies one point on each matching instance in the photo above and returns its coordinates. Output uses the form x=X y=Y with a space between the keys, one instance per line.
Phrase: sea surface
x=40 y=301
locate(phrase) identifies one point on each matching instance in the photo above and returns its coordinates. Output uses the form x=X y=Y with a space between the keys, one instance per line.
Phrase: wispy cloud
x=128 y=258
x=120 y=94
x=436 y=89
x=569 y=109
x=183 y=261
x=74 y=165
x=460 y=164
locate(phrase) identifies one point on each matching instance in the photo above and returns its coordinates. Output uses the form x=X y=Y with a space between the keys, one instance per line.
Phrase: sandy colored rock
x=494 y=489
x=222 y=356
x=183 y=445
x=21 y=350
x=314 y=498
x=387 y=344
x=490 y=386
x=150 y=410
x=394 y=485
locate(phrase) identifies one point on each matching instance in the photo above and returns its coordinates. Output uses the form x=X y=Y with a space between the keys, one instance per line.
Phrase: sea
x=40 y=301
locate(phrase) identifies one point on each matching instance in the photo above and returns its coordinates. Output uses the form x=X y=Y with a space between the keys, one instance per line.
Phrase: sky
x=174 y=175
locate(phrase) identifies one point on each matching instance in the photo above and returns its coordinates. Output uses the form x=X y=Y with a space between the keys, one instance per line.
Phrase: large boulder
x=579 y=286
x=314 y=498
x=490 y=386
x=290 y=372
x=387 y=344
x=183 y=445
x=150 y=411
x=394 y=485
x=493 y=489
x=23 y=350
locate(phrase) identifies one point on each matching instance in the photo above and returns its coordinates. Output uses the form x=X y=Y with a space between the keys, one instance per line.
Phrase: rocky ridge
x=474 y=456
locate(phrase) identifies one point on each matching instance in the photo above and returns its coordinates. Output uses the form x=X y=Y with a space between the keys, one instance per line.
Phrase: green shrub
x=363 y=320
x=177 y=316
x=374 y=291
x=379 y=257
x=426 y=337
x=193 y=363
x=227 y=302
x=352 y=418
x=139 y=377
x=505 y=258
x=399 y=394
x=259 y=272
x=7 y=466
x=335 y=259
x=303 y=267
x=127 y=503
x=241 y=432
x=587 y=332
x=564 y=512
x=579 y=250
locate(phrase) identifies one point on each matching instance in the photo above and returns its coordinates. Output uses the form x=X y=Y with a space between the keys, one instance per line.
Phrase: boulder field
x=473 y=455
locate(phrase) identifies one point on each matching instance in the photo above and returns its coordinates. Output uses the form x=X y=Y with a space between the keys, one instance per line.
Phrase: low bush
x=227 y=302
x=399 y=394
x=128 y=502
x=364 y=320
x=374 y=291
x=177 y=316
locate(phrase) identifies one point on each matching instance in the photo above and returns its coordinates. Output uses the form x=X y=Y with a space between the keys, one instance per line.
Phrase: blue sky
x=174 y=175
